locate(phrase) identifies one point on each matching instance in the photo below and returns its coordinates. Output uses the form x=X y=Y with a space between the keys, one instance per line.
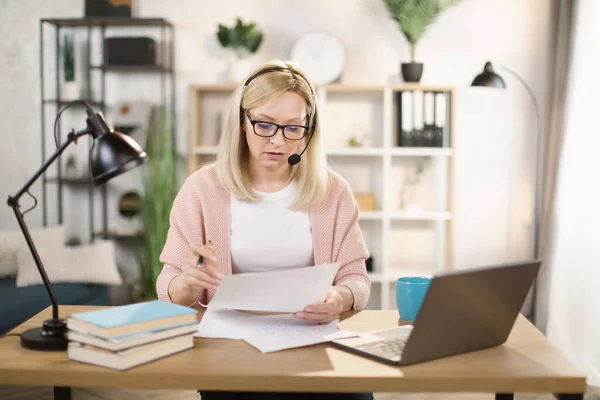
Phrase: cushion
x=89 y=263
x=19 y=304
x=11 y=242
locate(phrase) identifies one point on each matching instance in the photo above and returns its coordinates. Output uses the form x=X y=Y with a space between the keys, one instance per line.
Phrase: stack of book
x=126 y=336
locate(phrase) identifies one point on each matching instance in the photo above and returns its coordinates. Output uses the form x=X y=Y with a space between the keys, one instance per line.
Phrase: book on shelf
x=422 y=119
x=131 y=318
x=118 y=343
x=131 y=357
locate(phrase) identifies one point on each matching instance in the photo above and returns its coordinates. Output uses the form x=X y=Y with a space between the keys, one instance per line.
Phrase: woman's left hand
x=324 y=313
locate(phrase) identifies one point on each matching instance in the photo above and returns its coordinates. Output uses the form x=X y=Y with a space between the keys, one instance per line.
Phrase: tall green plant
x=160 y=189
x=415 y=16
x=69 y=58
x=241 y=37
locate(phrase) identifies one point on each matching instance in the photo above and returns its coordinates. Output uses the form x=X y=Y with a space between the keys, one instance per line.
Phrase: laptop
x=463 y=311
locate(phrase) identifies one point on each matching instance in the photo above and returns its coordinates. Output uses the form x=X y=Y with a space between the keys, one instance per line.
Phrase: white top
x=267 y=235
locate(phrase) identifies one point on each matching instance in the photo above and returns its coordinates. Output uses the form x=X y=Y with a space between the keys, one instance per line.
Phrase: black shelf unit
x=131 y=68
x=167 y=101
x=70 y=181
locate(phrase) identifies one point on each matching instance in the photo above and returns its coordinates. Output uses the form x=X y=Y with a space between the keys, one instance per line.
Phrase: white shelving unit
x=402 y=242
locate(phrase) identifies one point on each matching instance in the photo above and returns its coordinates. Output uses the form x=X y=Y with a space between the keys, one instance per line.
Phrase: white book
x=407 y=111
x=125 y=359
x=440 y=110
x=418 y=109
x=428 y=114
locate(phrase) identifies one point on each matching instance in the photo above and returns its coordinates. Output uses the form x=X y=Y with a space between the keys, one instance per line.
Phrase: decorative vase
x=239 y=67
x=411 y=72
x=69 y=91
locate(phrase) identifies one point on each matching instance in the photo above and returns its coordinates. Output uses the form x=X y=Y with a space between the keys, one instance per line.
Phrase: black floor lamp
x=112 y=154
x=489 y=78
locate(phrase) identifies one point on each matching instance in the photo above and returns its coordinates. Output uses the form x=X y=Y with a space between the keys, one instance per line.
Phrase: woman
x=263 y=206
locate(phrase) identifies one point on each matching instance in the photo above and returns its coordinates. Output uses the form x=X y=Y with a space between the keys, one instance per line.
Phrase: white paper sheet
x=224 y=324
x=278 y=291
x=277 y=332
x=267 y=333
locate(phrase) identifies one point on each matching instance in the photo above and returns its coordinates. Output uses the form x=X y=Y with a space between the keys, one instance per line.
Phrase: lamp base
x=51 y=337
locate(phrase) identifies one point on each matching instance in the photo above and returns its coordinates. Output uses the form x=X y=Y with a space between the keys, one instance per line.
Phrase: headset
x=294 y=158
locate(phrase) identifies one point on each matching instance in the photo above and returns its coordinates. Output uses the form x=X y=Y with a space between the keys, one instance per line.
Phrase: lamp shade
x=113 y=154
x=489 y=78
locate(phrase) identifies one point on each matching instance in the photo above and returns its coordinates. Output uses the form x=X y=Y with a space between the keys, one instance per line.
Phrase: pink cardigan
x=201 y=212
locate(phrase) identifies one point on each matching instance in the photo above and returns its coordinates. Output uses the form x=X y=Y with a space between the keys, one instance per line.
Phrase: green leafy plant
x=73 y=241
x=69 y=58
x=71 y=161
x=353 y=142
x=415 y=16
x=160 y=188
x=241 y=38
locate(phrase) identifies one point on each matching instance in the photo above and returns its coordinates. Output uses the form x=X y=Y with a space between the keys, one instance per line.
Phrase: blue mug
x=410 y=292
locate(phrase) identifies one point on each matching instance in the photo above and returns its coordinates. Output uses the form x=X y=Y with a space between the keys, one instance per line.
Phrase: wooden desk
x=525 y=363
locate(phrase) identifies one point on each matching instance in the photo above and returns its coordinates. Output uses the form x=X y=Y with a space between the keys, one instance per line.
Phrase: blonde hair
x=269 y=81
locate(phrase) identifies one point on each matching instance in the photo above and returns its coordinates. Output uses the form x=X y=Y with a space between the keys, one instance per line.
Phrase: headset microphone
x=295 y=158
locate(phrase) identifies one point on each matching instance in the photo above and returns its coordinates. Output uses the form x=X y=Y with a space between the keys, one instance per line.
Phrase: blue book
x=131 y=318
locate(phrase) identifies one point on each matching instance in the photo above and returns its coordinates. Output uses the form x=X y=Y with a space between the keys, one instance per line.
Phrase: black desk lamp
x=112 y=154
x=490 y=79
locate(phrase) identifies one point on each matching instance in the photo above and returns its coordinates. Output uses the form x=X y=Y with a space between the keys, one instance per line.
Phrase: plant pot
x=411 y=72
x=239 y=68
x=69 y=91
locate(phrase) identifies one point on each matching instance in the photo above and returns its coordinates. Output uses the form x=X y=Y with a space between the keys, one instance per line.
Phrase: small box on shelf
x=366 y=201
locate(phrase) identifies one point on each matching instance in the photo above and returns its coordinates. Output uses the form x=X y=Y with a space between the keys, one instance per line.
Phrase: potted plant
x=159 y=191
x=73 y=241
x=71 y=167
x=413 y=18
x=70 y=89
x=243 y=39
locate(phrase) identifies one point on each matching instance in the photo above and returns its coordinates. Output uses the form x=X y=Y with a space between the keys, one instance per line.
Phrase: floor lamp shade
x=489 y=78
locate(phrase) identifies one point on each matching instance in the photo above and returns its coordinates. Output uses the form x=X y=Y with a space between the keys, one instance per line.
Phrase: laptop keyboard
x=390 y=349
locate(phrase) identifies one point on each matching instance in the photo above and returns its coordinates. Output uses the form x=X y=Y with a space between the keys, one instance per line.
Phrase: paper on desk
x=278 y=332
x=224 y=324
x=266 y=332
x=279 y=291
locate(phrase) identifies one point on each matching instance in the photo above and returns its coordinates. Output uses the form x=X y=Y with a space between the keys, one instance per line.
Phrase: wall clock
x=321 y=56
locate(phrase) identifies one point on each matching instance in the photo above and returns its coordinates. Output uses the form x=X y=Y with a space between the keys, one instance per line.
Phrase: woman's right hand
x=205 y=275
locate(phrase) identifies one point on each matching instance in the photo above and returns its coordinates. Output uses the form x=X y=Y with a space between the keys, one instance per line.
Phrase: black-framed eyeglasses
x=268 y=129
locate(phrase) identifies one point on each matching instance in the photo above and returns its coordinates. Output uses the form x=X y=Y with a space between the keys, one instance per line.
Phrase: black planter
x=369 y=264
x=411 y=72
